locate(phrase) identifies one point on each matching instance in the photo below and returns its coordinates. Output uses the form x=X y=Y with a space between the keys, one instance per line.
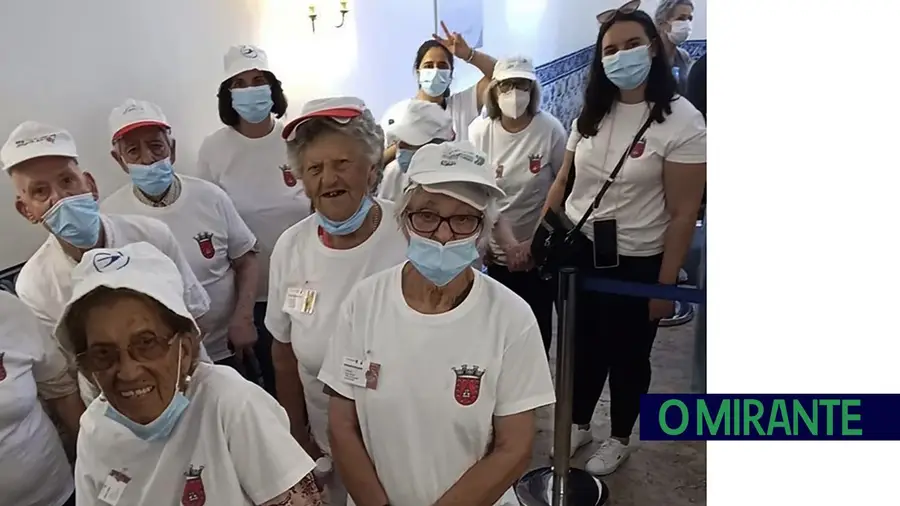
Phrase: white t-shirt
x=525 y=164
x=637 y=198
x=231 y=447
x=256 y=175
x=392 y=182
x=301 y=262
x=441 y=380
x=34 y=469
x=462 y=107
x=211 y=234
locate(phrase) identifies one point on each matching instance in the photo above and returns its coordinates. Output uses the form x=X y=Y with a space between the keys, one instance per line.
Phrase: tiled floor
x=658 y=473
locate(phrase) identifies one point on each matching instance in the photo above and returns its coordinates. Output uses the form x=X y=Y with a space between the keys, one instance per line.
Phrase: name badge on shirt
x=300 y=299
x=113 y=487
x=361 y=373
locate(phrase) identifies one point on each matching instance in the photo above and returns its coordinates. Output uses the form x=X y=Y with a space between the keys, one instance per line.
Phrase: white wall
x=68 y=63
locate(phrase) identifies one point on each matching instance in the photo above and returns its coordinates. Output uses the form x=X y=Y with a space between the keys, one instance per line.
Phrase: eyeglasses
x=514 y=84
x=143 y=348
x=427 y=222
x=628 y=8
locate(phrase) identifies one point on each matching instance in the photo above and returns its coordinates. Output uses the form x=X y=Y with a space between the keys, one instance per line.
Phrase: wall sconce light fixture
x=313 y=15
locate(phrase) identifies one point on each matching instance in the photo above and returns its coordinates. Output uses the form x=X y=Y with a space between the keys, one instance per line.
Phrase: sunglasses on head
x=628 y=8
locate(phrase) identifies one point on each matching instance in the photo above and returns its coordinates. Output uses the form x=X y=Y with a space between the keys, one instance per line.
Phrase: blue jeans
x=263 y=348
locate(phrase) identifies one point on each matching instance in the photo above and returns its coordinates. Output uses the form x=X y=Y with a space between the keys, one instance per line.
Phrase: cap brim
x=65 y=153
x=515 y=74
x=340 y=115
x=411 y=135
x=138 y=124
x=446 y=176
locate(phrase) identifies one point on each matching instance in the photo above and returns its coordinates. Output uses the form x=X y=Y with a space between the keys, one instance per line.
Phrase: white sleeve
x=464 y=105
x=47 y=323
x=342 y=344
x=557 y=145
x=23 y=332
x=574 y=136
x=688 y=145
x=240 y=239
x=87 y=491
x=260 y=427
x=195 y=295
x=524 y=383
x=203 y=170
x=390 y=182
x=277 y=321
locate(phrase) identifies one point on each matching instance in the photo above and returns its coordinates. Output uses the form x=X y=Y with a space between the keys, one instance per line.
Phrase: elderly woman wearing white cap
x=52 y=190
x=246 y=158
x=525 y=147
x=34 y=470
x=435 y=369
x=217 y=243
x=168 y=429
x=335 y=148
x=423 y=123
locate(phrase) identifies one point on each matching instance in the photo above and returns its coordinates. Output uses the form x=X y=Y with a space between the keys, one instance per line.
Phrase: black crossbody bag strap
x=609 y=181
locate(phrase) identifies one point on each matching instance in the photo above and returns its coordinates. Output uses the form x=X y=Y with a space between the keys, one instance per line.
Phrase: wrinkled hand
x=660 y=309
x=454 y=42
x=242 y=336
x=518 y=256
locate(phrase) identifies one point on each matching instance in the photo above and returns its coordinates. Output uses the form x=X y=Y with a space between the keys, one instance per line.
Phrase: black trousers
x=538 y=293
x=613 y=337
x=263 y=348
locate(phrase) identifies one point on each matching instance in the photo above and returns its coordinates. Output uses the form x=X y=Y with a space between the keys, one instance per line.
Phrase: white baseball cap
x=514 y=67
x=243 y=58
x=32 y=140
x=455 y=169
x=135 y=114
x=340 y=109
x=422 y=122
x=137 y=266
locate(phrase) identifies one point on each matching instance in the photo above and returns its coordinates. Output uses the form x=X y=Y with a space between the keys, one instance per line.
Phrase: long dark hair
x=231 y=118
x=420 y=55
x=601 y=93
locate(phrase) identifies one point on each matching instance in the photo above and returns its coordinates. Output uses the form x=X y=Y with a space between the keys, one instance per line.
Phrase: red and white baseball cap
x=135 y=114
x=455 y=169
x=423 y=122
x=32 y=140
x=340 y=109
x=514 y=67
x=243 y=58
x=139 y=266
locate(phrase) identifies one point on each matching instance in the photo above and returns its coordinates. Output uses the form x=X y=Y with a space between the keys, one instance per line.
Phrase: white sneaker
x=608 y=457
x=579 y=438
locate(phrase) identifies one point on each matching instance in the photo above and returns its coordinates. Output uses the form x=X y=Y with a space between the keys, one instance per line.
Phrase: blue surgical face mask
x=349 y=225
x=153 y=179
x=434 y=82
x=162 y=427
x=441 y=263
x=629 y=68
x=75 y=220
x=403 y=158
x=254 y=103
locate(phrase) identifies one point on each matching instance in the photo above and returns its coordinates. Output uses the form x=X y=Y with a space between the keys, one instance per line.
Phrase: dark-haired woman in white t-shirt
x=654 y=202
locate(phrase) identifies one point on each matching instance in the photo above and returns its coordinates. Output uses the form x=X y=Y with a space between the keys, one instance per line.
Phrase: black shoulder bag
x=557 y=242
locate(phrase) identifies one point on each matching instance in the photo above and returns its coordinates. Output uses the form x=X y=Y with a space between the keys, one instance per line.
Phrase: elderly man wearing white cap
x=335 y=148
x=526 y=148
x=168 y=429
x=53 y=191
x=218 y=245
x=435 y=369
x=423 y=123
x=246 y=158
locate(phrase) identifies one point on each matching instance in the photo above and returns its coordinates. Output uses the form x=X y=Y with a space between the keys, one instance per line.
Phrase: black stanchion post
x=565 y=341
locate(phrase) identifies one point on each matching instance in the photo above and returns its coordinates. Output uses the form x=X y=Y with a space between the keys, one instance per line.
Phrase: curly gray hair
x=493 y=109
x=665 y=8
x=363 y=128
x=490 y=215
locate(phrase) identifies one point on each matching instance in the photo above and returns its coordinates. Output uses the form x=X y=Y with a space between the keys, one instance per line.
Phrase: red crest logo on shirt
x=204 y=240
x=534 y=163
x=468 y=384
x=2 y=367
x=289 y=179
x=194 y=494
x=638 y=148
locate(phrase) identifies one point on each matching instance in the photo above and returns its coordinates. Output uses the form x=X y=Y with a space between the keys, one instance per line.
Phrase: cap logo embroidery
x=132 y=108
x=49 y=138
x=248 y=52
x=451 y=156
x=110 y=261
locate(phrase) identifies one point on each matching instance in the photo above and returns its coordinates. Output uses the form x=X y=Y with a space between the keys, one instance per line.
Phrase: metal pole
x=565 y=341
x=436 y=20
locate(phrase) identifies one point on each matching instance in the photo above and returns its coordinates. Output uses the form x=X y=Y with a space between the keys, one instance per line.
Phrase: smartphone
x=606 y=244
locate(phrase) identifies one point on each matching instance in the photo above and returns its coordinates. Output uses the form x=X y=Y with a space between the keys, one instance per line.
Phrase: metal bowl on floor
x=684 y=313
x=536 y=488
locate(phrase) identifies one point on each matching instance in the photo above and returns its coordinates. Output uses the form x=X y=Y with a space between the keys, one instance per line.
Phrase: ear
x=118 y=158
x=190 y=352
x=25 y=212
x=172 y=151
x=92 y=184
